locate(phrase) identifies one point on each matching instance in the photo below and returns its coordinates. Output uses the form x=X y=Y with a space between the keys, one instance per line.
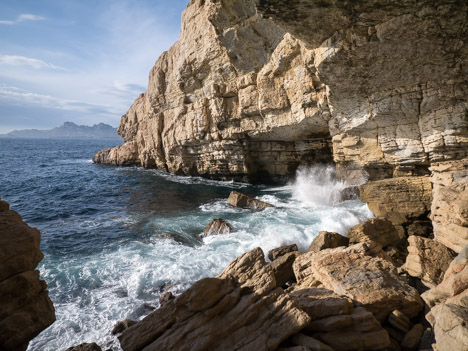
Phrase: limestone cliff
x=25 y=306
x=235 y=97
x=254 y=88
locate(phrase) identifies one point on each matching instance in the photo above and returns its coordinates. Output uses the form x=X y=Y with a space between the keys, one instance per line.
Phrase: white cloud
x=13 y=60
x=17 y=96
x=22 y=18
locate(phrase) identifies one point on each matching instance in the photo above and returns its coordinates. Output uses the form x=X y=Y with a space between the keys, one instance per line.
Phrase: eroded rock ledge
x=25 y=306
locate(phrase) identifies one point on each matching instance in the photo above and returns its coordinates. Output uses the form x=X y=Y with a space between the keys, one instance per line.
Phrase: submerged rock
x=218 y=226
x=25 y=306
x=237 y=199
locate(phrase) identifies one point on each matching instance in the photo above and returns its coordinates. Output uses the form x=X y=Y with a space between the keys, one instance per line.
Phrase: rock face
x=237 y=199
x=233 y=98
x=359 y=273
x=427 y=260
x=240 y=309
x=25 y=306
x=449 y=301
x=449 y=210
x=281 y=251
x=237 y=96
x=400 y=200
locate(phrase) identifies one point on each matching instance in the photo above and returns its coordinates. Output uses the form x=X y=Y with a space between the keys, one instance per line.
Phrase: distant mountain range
x=68 y=130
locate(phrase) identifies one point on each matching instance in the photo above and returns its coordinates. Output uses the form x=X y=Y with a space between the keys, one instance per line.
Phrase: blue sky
x=79 y=60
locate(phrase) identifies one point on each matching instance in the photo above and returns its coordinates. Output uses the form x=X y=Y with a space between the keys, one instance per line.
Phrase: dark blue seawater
x=115 y=238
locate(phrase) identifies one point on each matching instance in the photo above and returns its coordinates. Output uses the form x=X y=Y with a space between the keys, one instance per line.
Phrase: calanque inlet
x=255 y=89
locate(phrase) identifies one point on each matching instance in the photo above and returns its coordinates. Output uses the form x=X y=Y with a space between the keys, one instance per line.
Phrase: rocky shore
x=374 y=289
x=253 y=89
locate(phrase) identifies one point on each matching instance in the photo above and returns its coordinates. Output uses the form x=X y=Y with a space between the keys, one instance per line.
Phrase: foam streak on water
x=115 y=238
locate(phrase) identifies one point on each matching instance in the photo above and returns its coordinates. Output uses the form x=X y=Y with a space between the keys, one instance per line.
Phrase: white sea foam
x=92 y=293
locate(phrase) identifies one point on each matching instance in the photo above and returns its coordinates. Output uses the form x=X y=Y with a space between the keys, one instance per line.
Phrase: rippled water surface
x=115 y=238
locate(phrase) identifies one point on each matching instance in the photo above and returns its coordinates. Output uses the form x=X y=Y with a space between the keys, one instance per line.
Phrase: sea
x=116 y=238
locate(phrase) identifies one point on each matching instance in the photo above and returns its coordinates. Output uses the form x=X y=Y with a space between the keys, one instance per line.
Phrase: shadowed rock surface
x=25 y=306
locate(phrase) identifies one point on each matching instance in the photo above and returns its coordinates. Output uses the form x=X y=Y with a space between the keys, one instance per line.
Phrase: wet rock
x=327 y=240
x=380 y=230
x=218 y=226
x=427 y=260
x=356 y=272
x=412 y=338
x=121 y=326
x=166 y=297
x=25 y=306
x=280 y=251
x=237 y=199
x=241 y=308
x=283 y=268
x=85 y=347
x=349 y=193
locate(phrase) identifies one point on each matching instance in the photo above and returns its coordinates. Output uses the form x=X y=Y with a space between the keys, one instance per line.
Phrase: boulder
x=359 y=274
x=335 y=322
x=239 y=309
x=455 y=280
x=327 y=240
x=427 y=260
x=380 y=230
x=25 y=306
x=412 y=338
x=364 y=332
x=283 y=268
x=218 y=226
x=321 y=303
x=280 y=251
x=237 y=199
x=121 y=326
x=450 y=323
x=85 y=347
x=401 y=200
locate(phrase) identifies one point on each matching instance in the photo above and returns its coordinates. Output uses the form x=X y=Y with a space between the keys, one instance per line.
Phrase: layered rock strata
x=240 y=309
x=25 y=306
x=233 y=98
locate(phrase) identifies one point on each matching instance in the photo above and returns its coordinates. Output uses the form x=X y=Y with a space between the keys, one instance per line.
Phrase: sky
x=79 y=60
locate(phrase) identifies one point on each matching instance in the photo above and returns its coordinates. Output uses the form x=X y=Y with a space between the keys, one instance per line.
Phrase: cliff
x=378 y=88
x=25 y=306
